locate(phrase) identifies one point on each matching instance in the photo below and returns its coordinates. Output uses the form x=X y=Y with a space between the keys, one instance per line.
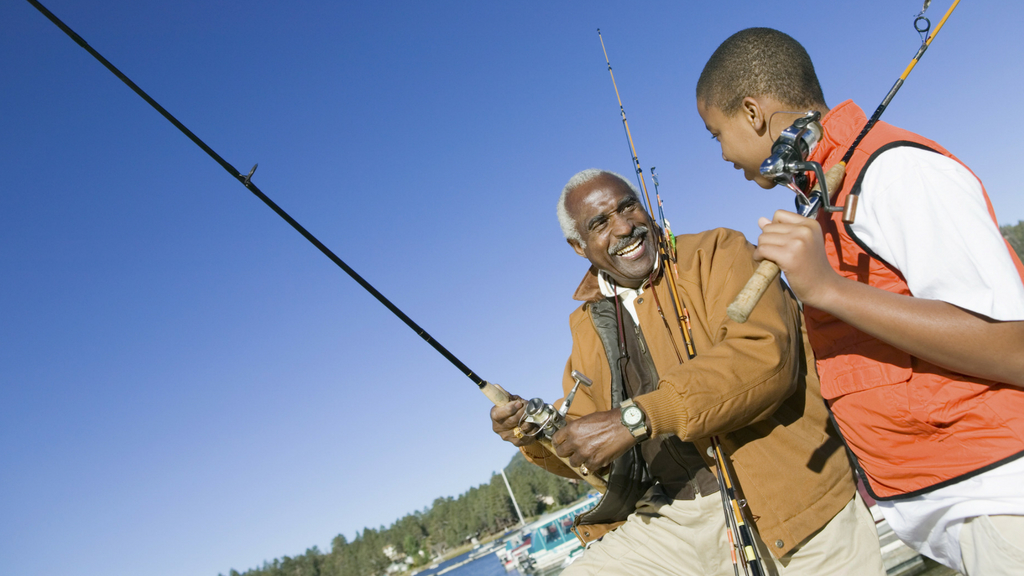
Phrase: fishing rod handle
x=767 y=271
x=500 y=397
x=495 y=393
x=740 y=309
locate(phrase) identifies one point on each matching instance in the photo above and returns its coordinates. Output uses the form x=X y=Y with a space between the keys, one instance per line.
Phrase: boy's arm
x=932 y=330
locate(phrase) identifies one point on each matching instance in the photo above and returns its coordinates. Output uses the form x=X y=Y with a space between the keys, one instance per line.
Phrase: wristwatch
x=634 y=420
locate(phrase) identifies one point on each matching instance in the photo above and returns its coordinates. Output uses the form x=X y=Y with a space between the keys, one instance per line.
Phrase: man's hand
x=505 y=421
x=595 y=440
x=795 y=243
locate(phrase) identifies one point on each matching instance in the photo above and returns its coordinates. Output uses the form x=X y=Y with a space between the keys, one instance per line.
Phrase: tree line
x=447 y=523
x=1014 y=234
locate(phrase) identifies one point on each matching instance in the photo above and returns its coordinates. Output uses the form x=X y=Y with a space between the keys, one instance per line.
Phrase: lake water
x=487 y=565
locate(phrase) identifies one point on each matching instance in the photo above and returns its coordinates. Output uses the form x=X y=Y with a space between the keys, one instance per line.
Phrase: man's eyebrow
x=596 y=220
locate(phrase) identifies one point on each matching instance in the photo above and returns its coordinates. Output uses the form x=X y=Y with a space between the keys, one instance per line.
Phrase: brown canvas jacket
x=749 y=384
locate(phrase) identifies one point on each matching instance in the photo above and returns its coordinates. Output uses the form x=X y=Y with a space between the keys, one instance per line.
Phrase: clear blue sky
x=187 y=386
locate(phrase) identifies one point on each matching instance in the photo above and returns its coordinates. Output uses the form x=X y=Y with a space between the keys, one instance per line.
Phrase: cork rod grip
x=767 y=271
x=740 y=309
x=500 y=397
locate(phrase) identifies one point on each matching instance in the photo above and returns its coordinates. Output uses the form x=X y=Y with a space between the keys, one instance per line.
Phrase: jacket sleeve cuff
x=665 y=410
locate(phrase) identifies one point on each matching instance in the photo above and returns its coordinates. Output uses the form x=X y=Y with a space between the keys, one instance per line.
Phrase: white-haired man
x=750 y=384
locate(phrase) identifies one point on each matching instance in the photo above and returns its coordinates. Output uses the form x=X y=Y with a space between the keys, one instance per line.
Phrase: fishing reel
x=545 y=417
x=788 y=164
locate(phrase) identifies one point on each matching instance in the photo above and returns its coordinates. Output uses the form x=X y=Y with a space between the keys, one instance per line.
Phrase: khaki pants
x=688 y=538
x=993 y=545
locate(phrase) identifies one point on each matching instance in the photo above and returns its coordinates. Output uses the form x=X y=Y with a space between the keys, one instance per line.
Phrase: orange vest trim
x=912 y=426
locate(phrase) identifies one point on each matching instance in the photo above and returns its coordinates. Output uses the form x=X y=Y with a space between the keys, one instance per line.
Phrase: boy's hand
x=795 y=243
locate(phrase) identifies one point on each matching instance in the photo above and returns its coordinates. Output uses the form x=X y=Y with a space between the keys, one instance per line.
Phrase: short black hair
x=759 y=62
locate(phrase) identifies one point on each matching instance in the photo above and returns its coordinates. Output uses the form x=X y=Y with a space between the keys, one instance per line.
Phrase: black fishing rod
x=493 y=391
x=246 y=181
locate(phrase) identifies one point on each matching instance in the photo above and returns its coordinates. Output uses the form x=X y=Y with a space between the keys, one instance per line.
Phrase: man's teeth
x=629 y=250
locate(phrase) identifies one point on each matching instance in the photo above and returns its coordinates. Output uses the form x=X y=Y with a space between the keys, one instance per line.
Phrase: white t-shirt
x=925 y=214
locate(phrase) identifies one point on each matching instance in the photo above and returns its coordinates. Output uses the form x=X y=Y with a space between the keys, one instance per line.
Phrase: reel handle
x=767 y=271
x=500 y=397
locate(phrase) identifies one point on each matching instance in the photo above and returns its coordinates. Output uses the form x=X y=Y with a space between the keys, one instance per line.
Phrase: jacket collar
x=589 y=289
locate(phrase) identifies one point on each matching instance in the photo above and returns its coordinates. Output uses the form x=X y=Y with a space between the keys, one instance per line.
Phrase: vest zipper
x=640 y=339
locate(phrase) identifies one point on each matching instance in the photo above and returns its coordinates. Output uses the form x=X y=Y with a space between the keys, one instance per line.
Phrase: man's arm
x=742 y=378
x=750 y=369
x=932 y=330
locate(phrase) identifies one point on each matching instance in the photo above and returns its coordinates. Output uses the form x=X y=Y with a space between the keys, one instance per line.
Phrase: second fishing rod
x=743 y=551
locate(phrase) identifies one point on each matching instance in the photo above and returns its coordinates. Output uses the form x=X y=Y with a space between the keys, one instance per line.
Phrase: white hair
x=565 y=220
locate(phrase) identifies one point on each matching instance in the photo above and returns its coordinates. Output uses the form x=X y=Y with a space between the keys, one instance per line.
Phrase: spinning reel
x=788 y=165
x=545 y=417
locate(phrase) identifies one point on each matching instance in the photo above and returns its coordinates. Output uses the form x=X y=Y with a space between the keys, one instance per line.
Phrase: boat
x=516 y=545
x=546 y=542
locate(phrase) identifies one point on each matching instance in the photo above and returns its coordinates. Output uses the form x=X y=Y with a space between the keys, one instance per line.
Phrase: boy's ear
x=754 y=114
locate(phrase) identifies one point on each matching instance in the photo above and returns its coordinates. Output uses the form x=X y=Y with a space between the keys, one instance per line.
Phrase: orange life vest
x=912 y=426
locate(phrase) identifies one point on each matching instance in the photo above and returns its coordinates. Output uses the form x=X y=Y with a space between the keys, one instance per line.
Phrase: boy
x=914 y=311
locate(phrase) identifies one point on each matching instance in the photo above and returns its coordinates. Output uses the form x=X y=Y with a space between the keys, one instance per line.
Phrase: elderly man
x=652 y=409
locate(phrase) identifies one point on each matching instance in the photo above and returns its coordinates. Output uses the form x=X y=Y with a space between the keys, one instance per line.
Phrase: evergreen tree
x=447 y=523
x=1014 y=234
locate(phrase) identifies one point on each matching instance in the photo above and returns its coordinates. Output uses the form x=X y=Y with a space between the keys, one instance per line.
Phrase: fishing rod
x=494 y=392
x=661 y=216
x=788 y=165
x=737 y=527
x=741 y=537
x=666 y=255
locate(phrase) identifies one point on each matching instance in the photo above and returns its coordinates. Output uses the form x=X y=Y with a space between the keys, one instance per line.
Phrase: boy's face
x=745 y=141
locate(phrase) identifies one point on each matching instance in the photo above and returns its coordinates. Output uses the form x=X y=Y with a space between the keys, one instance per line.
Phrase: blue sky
x=187 y=386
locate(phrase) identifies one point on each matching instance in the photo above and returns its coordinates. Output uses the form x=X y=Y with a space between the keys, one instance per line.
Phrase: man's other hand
x=505 y=422
x=595 y=440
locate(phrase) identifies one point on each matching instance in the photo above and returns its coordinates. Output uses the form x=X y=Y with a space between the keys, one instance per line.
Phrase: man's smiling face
x=617 y=234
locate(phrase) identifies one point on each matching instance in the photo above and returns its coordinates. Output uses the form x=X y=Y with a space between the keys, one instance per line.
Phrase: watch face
x=632 y=416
